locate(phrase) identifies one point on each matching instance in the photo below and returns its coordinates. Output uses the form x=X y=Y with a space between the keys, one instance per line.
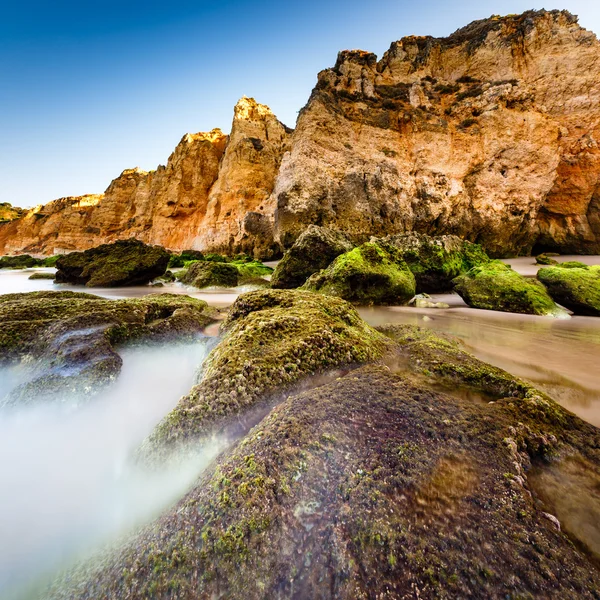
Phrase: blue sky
x=92 y=87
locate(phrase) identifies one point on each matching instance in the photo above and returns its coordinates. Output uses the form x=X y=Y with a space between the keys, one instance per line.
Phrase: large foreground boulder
x=376 y=486
x=126 y=262
x=271 y=339
x=436 y=261
x=577 y=287
x=495 y=286
x=369 y=274
x=66 y=341
x=314 y=250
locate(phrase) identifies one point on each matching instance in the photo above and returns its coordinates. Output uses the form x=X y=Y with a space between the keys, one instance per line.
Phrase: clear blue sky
x=92 y=87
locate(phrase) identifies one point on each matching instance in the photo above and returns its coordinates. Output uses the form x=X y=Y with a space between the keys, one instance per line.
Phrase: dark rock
x=576 y=287
x=314 y=250
x=22 y=261
x=41 y=275
x=207 y=273
x=369 y=274
x=125 y=262
x=495 y=286
x=436 y=261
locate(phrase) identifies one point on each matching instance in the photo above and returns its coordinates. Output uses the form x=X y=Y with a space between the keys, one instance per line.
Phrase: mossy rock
x=369 y=274
x=125 y=262
x=42 y=275
x=366 y=487
x=546 y=259
x=251 y=270
x=271 y=339
x=179 y=260
x=575 y=287
x=436 y=261
x=72 y=336
x=314 y=250
x=21 y=261
x=203 y=274
x=495 y=286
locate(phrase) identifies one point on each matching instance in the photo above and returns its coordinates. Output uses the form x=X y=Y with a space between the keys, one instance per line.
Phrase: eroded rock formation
x=489 y=134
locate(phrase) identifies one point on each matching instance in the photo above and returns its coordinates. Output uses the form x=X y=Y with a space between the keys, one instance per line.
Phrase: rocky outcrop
x=576 y=286
x=126 y=262
x=8 y=212
x=212 y=194
x=489 y=134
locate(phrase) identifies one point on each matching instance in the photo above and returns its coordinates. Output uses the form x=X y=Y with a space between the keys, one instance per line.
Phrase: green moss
x=41 y=275
x=369 y=274
x=271 y=340
x=575 y=286
x=495 y=286
x=22 y=261
x=546 y=259
x=436 y=261
x=179 y=260
x=125 y=262
x=251 y=269
x=205 y=273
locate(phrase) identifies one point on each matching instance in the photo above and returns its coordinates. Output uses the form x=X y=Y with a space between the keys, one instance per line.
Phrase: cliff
x=489 y=134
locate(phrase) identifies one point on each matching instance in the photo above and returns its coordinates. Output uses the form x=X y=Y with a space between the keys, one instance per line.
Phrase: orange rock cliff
x=490 y=134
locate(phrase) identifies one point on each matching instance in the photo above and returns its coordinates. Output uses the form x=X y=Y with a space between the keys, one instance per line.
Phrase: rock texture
x=489 y=134
x=212 y=194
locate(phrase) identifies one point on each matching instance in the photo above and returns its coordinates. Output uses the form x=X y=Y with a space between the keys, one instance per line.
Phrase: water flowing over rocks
x=490 y=134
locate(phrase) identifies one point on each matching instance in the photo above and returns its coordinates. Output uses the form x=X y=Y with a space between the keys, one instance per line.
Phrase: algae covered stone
x=21 y=261
x=546 y=258
x=369 y=274
x=436 y=261
x=125 y=262
x=271 y=339
x=314 y=250
x=575 y=286
x=495 y=286
x=69 y=338
x=206 y=273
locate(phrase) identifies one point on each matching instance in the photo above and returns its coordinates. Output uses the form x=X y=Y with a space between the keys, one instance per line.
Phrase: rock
x=179 y=260
x=574 y=287
x=546 y=258
x=436 y=261
x=125 y=262
x=369 y=274
x=495 y=286
x=314 y=250
x=40 y=275
x=206 y=273
x=458 y=135
x=271 y=339
x=347 y=483
x=21 y=261
x=67 y=340
x=424 y=301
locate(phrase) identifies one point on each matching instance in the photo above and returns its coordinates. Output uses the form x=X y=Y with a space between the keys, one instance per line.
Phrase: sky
x=90 y=88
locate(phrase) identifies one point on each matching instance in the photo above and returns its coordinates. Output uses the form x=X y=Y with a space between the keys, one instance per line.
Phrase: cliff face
x=490 y=134
x=212 y=194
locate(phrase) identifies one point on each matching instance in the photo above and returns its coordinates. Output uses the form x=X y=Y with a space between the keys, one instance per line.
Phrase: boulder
x=21 y=261
x=41 y=275
x=369 y=274
x=206 y=273
x=271 y=339
x=495 y=286
x=70 y=339
x=436 y=261
x=179 y=260
x=125 y=262
x=574 y=287
x=314 y=250
x=546 y=258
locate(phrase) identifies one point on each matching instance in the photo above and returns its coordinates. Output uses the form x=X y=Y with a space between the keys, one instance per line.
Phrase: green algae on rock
x=436 y=261
x=369 y=274
x=575 y=286
x=366 y=487
x=203 y=274
x=314 y=250
x=42 y=275
x=546 y=258
x=495 y=286
x=73 y=335
x=271 y=339
x=125 y=262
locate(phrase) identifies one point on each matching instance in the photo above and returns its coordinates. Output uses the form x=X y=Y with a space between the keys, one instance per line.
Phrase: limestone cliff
x=211 y=195
x=490 y=134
